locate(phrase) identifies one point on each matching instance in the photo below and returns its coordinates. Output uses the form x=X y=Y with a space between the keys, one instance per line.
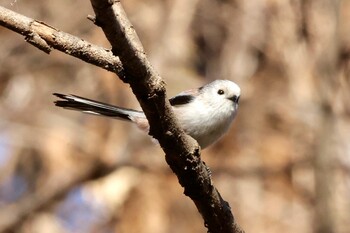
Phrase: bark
x=47 y=38
x=182 y=152
x=131 y=65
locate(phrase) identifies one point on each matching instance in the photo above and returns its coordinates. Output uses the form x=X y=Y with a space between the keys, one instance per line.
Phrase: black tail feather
x=78 y=103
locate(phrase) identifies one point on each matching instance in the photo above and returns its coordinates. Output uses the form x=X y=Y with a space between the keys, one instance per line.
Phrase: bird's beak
x=235 y=99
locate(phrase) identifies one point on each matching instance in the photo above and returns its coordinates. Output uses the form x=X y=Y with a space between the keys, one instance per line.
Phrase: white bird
x=205 y=113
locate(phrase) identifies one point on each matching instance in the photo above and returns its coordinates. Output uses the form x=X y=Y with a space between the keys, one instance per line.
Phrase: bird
x=205 y=113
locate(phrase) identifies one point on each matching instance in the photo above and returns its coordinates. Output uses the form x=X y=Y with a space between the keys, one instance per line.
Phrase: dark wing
x=184 y=97
x=181 y=99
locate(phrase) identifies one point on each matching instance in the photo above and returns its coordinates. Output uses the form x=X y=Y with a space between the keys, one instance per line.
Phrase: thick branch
x=182 y=153
x=46 y=38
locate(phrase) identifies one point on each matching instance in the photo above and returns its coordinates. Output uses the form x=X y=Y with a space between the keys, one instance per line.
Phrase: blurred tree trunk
x=323 y=24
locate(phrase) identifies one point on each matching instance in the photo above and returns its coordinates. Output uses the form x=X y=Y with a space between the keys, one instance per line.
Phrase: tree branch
x=46 y=38
x=182 y=152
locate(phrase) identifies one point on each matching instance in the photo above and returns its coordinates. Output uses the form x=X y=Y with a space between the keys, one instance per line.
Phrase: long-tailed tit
x=205 y=113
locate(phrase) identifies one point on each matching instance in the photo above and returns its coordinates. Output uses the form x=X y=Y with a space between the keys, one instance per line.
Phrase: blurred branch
x=263 y=171
x=181 y=150
x=12 y=216
x=325 y=43
x=46 y=38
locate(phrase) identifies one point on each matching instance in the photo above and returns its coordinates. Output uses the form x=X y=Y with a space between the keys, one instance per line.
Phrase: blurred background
x=284 y=166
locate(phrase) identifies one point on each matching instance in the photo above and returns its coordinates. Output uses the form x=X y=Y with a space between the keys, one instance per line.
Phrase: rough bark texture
x=182 y=152
x=46 y=38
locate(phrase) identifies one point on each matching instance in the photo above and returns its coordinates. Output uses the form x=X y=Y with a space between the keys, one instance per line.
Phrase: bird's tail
x=77 y=103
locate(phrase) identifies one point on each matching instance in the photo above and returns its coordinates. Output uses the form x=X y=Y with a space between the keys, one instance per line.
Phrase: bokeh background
x=284 y=166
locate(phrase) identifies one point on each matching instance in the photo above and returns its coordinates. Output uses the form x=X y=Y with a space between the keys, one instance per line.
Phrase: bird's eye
x=221 y=92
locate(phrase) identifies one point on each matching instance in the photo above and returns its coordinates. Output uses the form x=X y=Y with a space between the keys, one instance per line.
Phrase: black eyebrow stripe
x=181 y=99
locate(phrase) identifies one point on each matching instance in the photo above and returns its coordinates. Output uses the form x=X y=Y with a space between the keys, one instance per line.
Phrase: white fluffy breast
x=206 y=122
